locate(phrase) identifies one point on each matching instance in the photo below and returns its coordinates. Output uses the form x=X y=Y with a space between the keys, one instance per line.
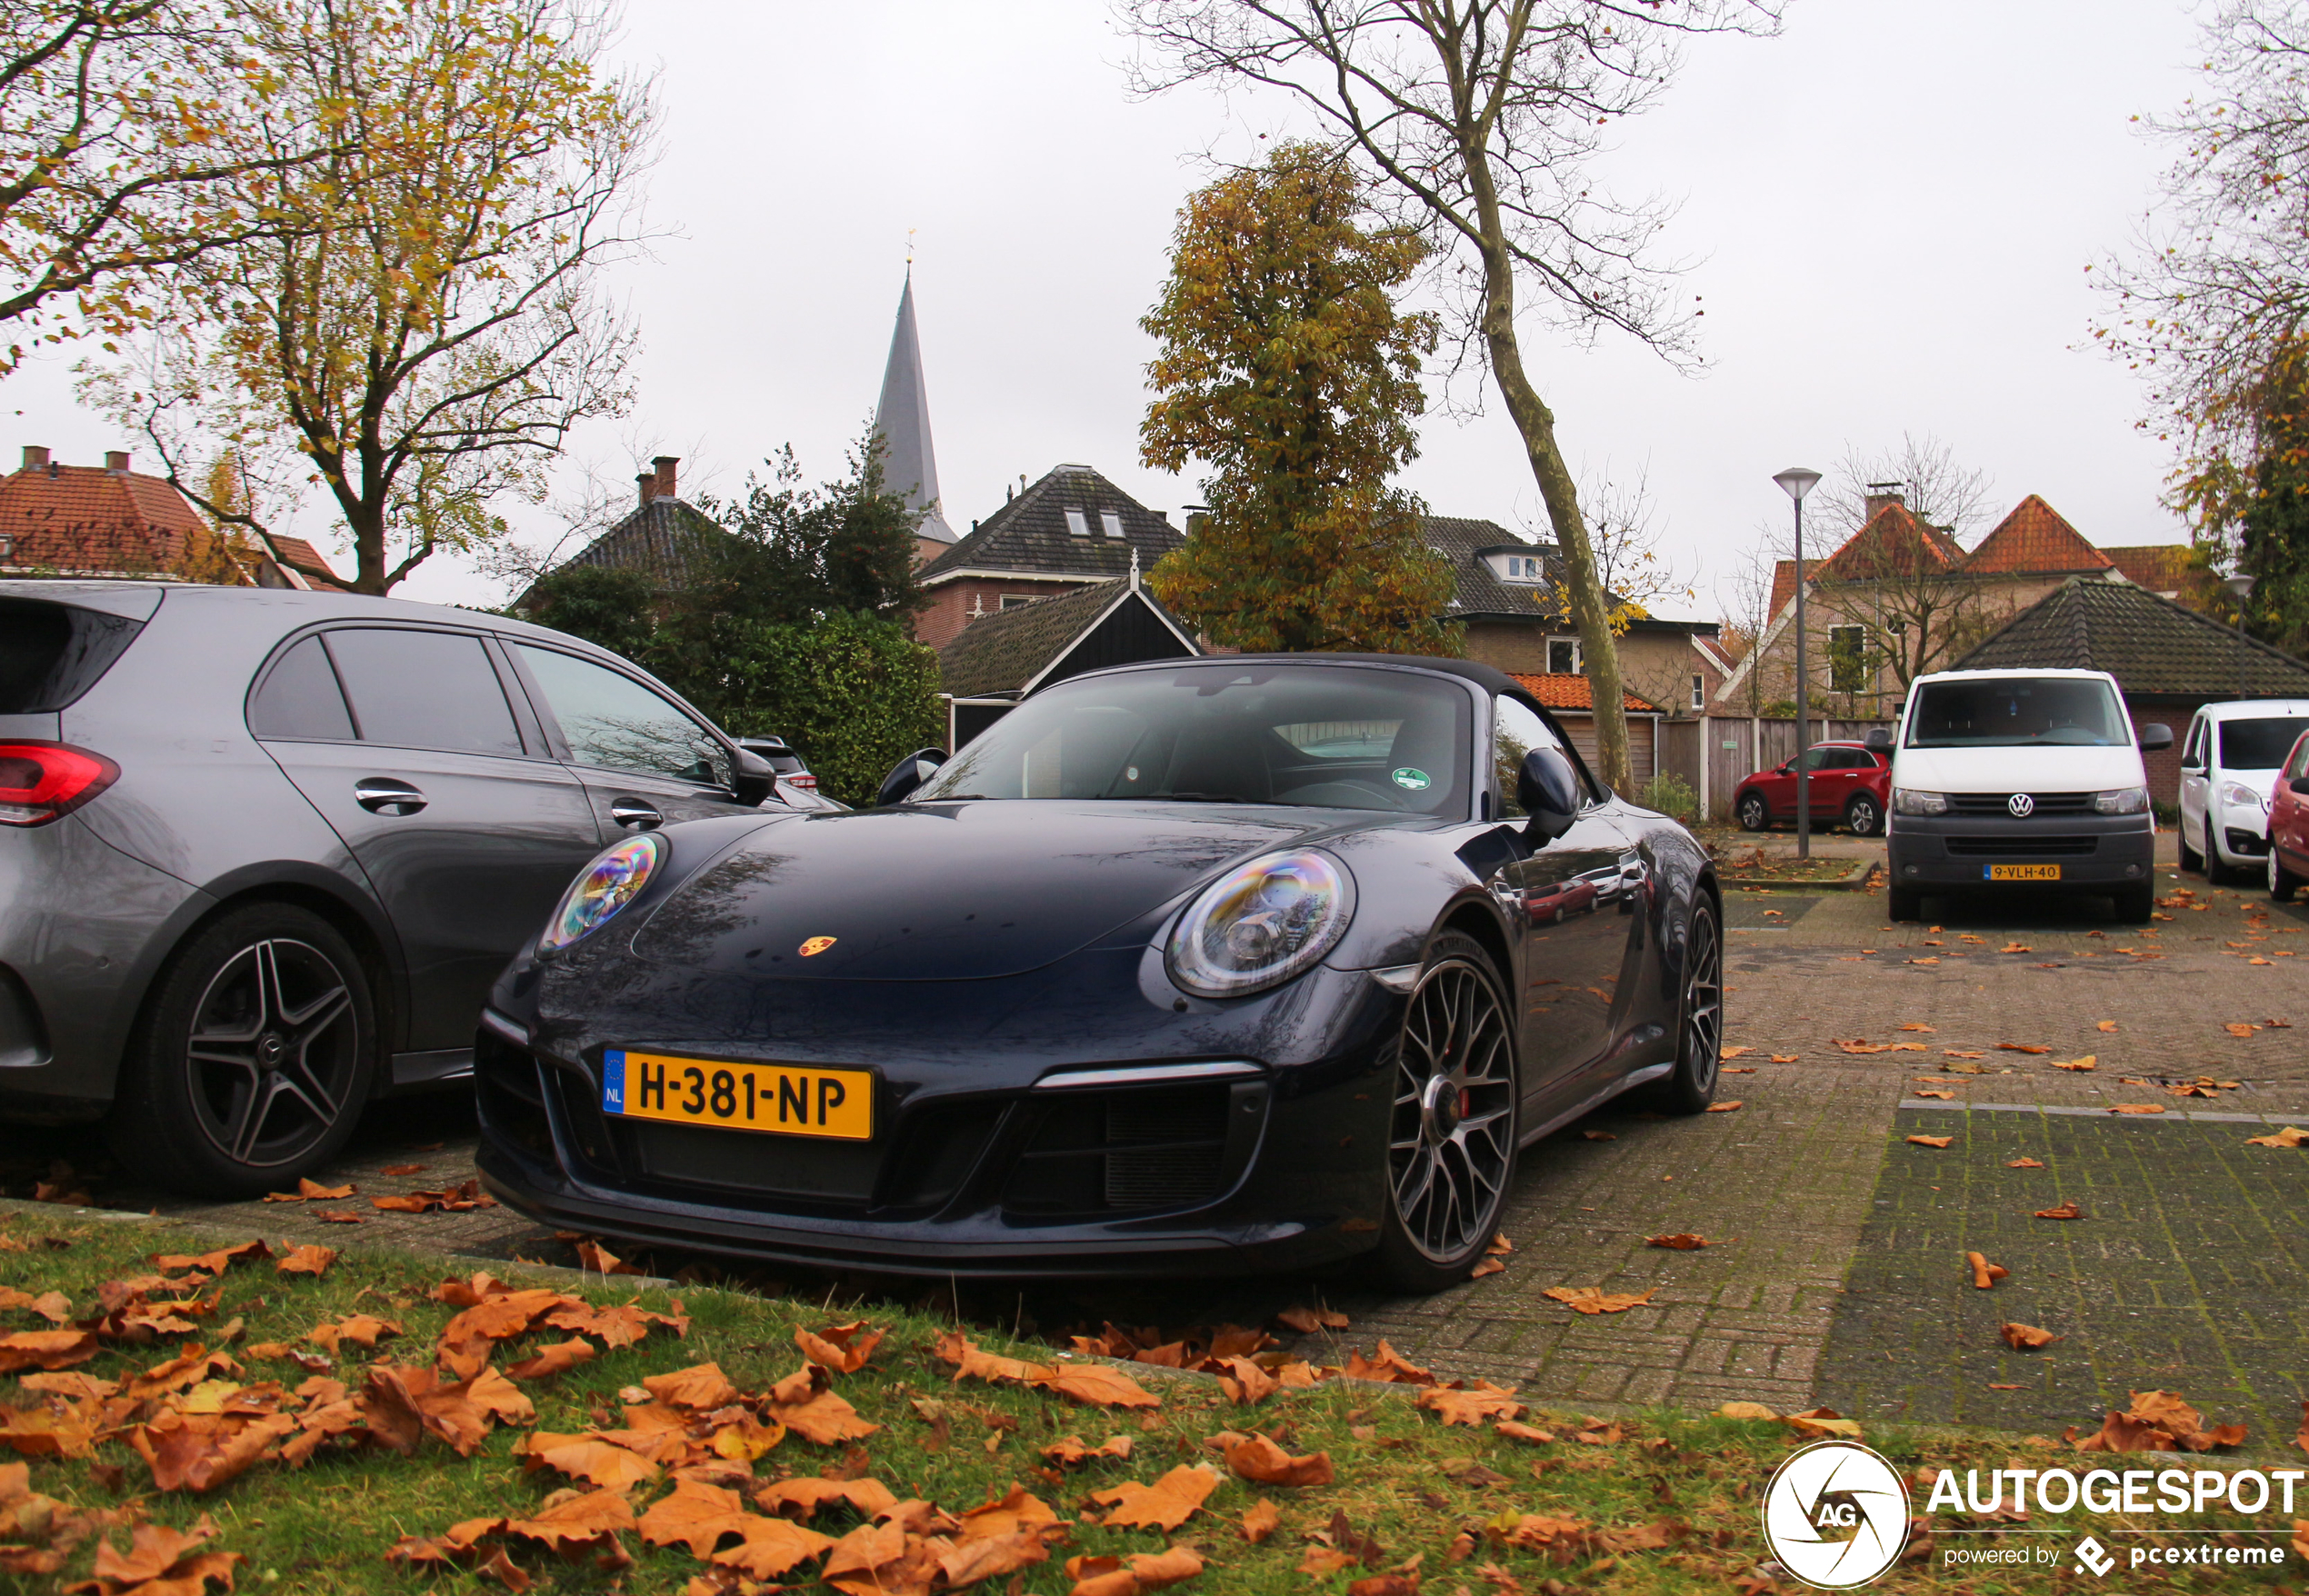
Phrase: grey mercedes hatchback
x=262 y=853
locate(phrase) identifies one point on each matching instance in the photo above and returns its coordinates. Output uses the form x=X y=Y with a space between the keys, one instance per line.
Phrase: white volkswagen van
x=2002 y=777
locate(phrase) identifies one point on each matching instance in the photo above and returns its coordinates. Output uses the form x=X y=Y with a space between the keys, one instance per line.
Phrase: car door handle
x=634 y=813
x=384 y=797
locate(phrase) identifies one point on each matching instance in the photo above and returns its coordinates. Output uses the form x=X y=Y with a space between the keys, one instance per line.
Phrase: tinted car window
x=2259 y=744
x=614 y=723
x=1289 y=734
x=1515 y=732
x=2018 y=712
x=424 y=690
x=299 y=699
x=51 y=653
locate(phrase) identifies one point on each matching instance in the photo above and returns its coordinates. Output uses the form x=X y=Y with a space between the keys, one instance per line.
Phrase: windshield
x=2018 y=712
x=2259 y=744
x=1329 y=737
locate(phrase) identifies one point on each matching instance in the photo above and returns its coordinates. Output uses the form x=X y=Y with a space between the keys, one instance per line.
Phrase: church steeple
x=902 y=419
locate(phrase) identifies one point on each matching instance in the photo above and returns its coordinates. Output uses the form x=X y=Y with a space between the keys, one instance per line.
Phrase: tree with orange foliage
x=1287 y=367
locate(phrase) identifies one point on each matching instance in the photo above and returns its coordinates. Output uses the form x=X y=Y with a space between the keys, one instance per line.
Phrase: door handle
x=380 y=796
x=634 y=815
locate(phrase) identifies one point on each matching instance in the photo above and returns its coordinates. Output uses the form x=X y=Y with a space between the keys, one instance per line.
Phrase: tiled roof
x=1557 y=690
x=305 y=554
x=2150 y=644
x=1030 y=533
x=1893 y=540
x=91 y=518
x=1461 y=540
x=656 y=539
x=2034 y=538
x=2159 y=567
x=1003 y=651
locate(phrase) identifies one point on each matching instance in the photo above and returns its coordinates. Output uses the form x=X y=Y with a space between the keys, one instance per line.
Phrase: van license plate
x=2022 y=871
x=789 y=1100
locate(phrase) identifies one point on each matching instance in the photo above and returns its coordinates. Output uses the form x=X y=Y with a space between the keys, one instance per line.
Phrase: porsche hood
x=949 y=891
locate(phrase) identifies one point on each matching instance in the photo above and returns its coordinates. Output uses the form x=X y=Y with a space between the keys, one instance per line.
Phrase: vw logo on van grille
x=2022 y=805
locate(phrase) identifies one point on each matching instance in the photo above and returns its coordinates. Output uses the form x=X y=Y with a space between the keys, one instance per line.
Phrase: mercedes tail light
x=40 y=781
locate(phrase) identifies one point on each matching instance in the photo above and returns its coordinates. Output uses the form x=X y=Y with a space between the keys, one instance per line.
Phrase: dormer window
x=1111 y=522
x=1077 y=523
x=1523 y=569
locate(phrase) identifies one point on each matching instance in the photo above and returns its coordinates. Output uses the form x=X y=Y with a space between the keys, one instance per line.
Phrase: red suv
x=1851 y=784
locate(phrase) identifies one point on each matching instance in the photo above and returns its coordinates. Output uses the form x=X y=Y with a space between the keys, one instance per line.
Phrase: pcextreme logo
x=1835 y=1514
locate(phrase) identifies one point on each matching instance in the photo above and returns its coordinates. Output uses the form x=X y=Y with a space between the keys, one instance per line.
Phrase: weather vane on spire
x=910 y=232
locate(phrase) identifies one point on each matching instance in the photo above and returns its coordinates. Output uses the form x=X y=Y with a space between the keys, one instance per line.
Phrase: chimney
x=647 y=482
x=116 y=459
x=1881 y=493
x=665 y=464
x=34 y=456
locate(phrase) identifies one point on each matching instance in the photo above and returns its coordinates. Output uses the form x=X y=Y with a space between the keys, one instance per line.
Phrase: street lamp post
x=1796 y=482
x=2240 y=587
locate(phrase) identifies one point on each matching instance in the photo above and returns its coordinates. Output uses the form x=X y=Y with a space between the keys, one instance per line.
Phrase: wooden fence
x=1714 y=753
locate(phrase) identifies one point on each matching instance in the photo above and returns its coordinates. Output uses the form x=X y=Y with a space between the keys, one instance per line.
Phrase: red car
x=1851 y=785
x=2289 y=825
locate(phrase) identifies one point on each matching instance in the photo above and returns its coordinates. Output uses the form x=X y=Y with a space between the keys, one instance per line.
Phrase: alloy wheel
x=273 y=1052
x=1703 y=1035
x=1451 y=1145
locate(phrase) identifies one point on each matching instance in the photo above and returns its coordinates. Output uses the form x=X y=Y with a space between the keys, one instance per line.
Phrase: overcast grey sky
x=1891 y=207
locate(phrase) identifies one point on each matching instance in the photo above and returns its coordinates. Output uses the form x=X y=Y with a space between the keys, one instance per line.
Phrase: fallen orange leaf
x=1932 y=1140
x=1260 y=1461
x=2024 y=1163
x=2291 y=1136
x=1679 y=1244
x=1307 y=1321
x=1471 y=1405
x=842 y=1348
x=1167 y=1504
x=314 y=1260
x=2020 y=1047
x=1593 y=1299
x=1260 y=1520
x=2136 y=1108
x=1726 y=1108
x=2065 y=1210
x=2026 y=1337
x=1985 y=1273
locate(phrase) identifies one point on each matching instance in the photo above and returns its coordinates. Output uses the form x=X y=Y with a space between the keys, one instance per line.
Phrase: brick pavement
x=1791 y=1187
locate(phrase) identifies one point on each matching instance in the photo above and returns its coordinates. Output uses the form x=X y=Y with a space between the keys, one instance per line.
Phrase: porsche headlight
x=610 y=882
x=1261 y=923
x=2237 y=795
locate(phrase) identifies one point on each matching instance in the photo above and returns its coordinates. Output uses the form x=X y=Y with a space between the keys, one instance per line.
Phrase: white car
x=2229 y=765
x=2005 y=777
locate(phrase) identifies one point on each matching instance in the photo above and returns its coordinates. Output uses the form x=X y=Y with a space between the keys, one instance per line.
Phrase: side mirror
x=910 y=773
x=755 y=780
x=1879 y=740
x=1548 y=788
x=2299 y=784
x=2155 y=736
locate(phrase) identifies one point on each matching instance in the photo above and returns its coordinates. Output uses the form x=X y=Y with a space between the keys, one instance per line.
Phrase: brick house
x=1505 y=594
x=108 y=520
x=2167 y=658
x=1901 y=597
x=1066 y=532
x=656 y=537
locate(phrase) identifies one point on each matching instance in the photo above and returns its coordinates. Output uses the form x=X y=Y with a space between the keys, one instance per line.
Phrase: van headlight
x=1260 y=923
x=1909 y=801
x=2237 y=795
x=610 y=882
x=2121 y=801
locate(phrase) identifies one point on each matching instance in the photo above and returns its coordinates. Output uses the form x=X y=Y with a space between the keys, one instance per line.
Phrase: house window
x=1111 y=522
x=1077 y=523
x=1519 y=568
x=1015 y=600
x=1699 y=691
x=1562 y=656
x=1847 y=663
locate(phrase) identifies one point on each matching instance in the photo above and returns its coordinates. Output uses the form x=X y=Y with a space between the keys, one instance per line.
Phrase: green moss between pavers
x=325 y=1528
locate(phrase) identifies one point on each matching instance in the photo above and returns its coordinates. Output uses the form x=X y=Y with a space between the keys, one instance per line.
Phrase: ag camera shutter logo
x=1835 y=1515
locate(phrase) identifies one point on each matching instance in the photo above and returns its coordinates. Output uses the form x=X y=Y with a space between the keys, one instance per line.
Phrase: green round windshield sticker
x=1413 y=778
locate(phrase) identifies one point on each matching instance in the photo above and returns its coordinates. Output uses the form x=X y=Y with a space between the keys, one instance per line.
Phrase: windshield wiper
x=1200 y=797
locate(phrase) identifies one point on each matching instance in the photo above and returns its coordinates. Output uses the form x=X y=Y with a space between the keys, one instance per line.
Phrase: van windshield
x=2017 y=712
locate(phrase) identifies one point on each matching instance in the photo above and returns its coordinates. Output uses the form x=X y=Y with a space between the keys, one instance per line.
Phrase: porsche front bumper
x=1218 y=1139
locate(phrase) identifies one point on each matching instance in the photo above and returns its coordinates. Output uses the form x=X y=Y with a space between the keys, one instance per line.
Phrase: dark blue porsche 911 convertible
x=1230 y=964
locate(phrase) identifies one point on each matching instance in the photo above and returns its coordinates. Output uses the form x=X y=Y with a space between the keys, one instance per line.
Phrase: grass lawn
x=1661 y=1502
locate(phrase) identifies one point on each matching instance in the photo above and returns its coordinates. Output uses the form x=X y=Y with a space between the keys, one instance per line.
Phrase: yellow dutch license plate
x=790 y=1100
x=2024 y=872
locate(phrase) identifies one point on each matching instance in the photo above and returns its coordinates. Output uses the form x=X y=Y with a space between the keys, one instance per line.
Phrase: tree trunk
x=1599 y=648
